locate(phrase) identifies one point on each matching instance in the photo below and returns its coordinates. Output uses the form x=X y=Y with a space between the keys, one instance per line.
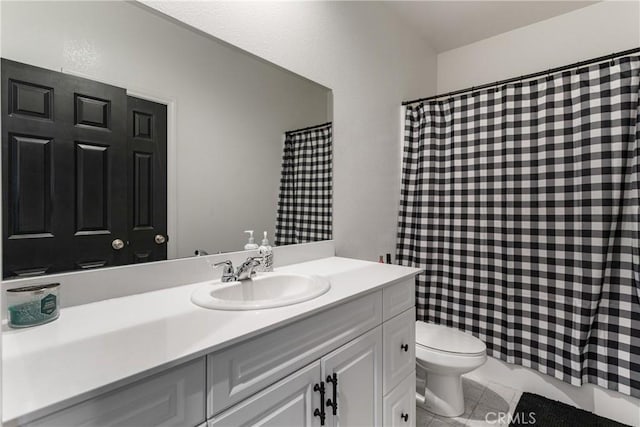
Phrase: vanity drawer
x=174 y=398
x=399 y=406
x=238 y=372
x=399 y=338
x=397 y=298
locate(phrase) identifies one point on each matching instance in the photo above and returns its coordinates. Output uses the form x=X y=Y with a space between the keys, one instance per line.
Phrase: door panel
x=64 y=171
x=358 y=366
x=92 y=112
x=30 y=100
x=288 y=403
x=92 y=190
x=30 y=187
x=147 y=137
x=142 y=191
x=100 y=175
x=35 y=183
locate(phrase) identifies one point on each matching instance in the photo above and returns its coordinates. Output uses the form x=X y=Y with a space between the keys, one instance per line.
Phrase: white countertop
x=95 y=347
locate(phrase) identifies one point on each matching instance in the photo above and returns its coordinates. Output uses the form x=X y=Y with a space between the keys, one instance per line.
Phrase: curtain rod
x=309 y=128
x=528 y=76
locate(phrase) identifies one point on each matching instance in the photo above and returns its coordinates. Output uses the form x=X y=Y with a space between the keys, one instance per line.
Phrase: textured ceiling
x=450 y=24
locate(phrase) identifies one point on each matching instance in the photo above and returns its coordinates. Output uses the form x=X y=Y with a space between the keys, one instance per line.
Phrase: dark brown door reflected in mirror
x=147 y=211
x=81 y=189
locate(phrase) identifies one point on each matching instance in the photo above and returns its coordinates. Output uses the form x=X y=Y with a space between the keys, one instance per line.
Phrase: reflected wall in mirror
x=128 y=137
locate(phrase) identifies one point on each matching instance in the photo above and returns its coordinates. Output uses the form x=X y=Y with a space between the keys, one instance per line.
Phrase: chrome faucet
x=245 y=271
x=247 y=268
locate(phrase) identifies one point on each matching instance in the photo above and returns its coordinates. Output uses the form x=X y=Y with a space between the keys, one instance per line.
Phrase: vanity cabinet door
x=400 y=404
x=399 y=348
x=288 y=403
x=174 y=398
x=358 y=369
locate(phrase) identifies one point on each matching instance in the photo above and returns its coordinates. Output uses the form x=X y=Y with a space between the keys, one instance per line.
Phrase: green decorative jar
x=33 y=305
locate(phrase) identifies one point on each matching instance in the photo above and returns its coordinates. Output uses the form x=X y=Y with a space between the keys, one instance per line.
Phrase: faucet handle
x=227 y=270
x=225 y=262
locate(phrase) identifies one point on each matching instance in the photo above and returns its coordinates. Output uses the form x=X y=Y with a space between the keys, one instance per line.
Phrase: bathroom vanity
x=344 y=358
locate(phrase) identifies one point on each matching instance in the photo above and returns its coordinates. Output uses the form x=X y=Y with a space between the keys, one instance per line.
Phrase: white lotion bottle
x=266 y=252
x=251 y=244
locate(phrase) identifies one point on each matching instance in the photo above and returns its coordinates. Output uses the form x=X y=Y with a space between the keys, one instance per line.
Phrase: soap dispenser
x=251 y=244
x=266 y=252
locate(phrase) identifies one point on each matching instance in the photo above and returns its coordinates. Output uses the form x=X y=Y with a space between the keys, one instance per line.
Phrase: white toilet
x=443 y=354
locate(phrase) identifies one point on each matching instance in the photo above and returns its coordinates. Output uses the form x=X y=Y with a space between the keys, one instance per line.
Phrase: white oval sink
x=265 y=290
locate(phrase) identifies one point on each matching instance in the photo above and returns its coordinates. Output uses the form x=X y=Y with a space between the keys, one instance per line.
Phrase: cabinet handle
x=333 y=379
x=320 y=412
x=404 y=347
x=405 y=417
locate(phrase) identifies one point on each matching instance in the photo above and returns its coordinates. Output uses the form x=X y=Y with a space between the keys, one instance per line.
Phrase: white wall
x=586 y=33
x=371 y=60
x=231 y=108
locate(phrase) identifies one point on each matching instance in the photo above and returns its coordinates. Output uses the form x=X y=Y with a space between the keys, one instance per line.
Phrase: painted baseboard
x=603 y=402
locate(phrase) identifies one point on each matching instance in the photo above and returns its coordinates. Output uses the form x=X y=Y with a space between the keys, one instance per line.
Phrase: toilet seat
x=449 y=353
x=447 y=340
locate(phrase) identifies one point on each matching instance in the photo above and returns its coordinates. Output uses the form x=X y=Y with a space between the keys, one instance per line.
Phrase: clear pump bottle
x=251 y=244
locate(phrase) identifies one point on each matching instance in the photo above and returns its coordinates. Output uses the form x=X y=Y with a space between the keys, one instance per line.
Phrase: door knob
x=404 y=347
x=117 y=244
x=160 y=239
x=405 y=417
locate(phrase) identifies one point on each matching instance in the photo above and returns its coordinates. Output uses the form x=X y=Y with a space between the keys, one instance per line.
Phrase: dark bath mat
x=550 y=413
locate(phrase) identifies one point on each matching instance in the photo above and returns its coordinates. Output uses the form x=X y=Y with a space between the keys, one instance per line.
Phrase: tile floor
x=483 y=402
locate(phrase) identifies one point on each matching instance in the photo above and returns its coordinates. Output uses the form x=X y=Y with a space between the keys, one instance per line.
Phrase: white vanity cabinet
x=352 y=364
x=242 y=370
x=173 y=398
x=306 y=398
x=371 y=360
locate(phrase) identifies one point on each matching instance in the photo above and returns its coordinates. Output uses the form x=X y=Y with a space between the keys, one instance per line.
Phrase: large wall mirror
x=128 y=137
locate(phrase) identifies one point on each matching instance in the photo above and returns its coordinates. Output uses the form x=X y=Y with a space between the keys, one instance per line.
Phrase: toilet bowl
x=443 y=355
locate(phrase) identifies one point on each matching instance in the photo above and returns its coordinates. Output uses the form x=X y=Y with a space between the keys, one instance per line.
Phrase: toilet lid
x=444 y=338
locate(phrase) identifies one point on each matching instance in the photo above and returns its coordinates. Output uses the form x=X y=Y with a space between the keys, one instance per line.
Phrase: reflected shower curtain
x=304 y=205
x=521 y=203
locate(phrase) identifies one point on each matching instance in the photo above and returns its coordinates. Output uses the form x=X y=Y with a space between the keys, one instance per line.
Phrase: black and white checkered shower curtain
x=304 y=206
x=522 y=204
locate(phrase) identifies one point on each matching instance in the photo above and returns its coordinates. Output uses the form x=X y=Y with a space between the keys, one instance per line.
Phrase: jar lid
x=34 y=288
